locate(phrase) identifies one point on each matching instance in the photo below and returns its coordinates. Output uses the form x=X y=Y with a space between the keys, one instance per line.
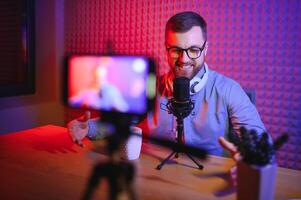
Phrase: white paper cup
x=130 y=150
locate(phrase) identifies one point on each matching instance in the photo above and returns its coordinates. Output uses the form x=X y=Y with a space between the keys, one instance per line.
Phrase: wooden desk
x=43 y=163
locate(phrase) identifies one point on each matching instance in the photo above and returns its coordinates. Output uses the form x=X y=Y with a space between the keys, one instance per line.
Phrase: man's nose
x=184 y=57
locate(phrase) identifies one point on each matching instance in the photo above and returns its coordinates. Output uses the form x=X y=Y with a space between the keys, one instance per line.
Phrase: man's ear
x=165 y=46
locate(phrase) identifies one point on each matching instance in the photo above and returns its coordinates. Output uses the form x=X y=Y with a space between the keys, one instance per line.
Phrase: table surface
x=43 y=163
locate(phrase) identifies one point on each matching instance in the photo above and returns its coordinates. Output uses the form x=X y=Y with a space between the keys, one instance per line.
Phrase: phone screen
x=110 y=83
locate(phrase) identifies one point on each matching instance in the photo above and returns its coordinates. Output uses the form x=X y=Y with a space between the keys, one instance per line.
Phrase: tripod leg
x=199 y=165
x=165 y=160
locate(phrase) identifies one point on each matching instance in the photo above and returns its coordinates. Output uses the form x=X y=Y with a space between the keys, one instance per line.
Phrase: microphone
x=181 y=89
x=180 y=105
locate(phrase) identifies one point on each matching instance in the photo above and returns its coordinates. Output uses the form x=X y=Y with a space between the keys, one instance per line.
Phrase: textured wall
x=256 y=43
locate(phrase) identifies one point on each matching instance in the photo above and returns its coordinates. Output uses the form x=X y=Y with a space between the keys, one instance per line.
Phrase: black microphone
x=180 y=105
x=181 y=89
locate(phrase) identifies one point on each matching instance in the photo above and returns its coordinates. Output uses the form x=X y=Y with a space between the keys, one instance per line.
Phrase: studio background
x=257 y=43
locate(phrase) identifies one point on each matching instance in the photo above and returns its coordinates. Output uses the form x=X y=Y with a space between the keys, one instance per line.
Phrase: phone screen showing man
x=108 y=83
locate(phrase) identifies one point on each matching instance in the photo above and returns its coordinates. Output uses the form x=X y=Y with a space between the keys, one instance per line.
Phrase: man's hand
x=78 y=128
x=230 y=147
x=234 y=154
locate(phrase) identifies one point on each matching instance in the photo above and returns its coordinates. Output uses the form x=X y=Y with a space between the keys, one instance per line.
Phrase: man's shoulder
x=221 y=81
x=223 y=86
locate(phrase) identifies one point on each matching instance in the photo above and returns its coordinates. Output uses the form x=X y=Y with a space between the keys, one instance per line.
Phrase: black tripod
x=176 y=150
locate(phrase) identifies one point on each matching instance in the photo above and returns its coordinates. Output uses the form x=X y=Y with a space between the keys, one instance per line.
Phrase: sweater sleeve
x=242 y=111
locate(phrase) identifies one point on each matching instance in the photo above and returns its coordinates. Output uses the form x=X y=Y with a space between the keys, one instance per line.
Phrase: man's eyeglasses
x=192 y=52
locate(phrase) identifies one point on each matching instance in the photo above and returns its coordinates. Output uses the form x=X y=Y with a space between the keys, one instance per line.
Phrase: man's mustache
x=180 y=64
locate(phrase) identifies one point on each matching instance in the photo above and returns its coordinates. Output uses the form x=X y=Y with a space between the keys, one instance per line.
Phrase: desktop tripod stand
x=177 y=150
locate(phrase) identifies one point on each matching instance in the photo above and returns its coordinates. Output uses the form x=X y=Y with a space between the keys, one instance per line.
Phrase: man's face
x=183 y=65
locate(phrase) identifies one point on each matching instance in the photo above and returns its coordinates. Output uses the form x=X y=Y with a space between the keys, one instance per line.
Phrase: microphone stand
x=180 y=132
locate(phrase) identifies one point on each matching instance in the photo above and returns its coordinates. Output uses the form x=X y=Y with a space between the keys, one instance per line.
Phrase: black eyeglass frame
x=186 y=50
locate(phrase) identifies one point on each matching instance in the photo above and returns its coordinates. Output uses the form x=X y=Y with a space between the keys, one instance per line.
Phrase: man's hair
x=184 y=21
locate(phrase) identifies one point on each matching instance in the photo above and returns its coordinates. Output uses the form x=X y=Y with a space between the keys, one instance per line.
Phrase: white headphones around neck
x=197 y=83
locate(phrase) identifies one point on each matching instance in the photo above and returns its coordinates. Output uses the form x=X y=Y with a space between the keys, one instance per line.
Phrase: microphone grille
x=181 y=89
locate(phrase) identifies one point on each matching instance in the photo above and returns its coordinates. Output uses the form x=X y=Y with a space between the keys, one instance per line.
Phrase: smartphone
x=110 y=83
